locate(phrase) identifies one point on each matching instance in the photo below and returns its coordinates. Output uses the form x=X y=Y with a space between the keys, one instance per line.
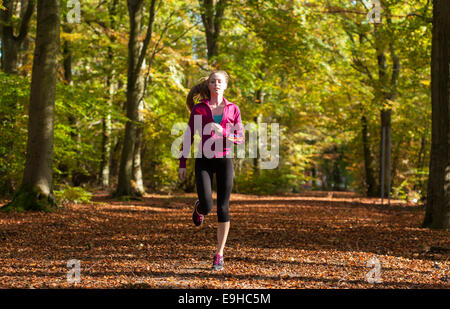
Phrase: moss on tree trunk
x=30 y=198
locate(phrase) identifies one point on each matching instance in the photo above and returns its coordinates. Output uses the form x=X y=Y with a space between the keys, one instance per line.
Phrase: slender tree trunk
x=385 y=119
x=137 y=161
x=336 y=169
x=438 y=199
x=67 y=64
x=385 y=116
x=259 y=97
x=387 y=90
x=115 y=157
x=106 y=135
x=136 y=58
x=421 y=164
x=314 y=179
x=105 y=164
x=368 y=162
x=138 y=147
x=212 y=15
x=67 y=73
x=73 y=122
x=67 y=57
x=36 y=191
x=133 y=95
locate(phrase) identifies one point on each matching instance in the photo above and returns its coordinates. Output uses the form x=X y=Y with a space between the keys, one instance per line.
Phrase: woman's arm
x=187 y=139
x=235 y=134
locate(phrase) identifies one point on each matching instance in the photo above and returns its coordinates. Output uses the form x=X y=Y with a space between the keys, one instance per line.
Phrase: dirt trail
x=317 y=240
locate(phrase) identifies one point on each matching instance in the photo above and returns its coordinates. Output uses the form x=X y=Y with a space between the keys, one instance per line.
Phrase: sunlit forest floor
x=316 y=240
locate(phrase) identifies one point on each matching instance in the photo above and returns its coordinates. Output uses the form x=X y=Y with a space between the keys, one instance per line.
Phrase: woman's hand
x=182 y=173
x=217 y=128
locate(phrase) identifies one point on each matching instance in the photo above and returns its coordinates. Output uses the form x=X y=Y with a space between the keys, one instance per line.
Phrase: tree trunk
x=10 y=45
x=387 y=91
x=337 y=179
x=115 y=157
x=437 y=214
x=9 y=52
x=105 y=164
x=370 y=180
x=259 y=96
x=314 y=178
x=106 y=135
x=420 y=165
x=73 y=122
x=137 y=162
x=36 y=191
x=134 y=94
x=212 y=16
x=138 y=147
x=385 y=146
x=67 y=57
x=124 y=186
x=10 y=42
x=67 y=65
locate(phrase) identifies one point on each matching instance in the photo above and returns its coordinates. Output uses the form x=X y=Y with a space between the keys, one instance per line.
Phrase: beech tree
x=36 y=191
x=438 y=197
x=212 y=15
x=11 y=42
x=10 y=46
x=136 y=57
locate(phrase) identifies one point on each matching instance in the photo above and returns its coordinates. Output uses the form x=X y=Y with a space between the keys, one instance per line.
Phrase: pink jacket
x=231 y=124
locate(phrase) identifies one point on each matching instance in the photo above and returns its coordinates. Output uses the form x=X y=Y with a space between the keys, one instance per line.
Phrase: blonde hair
x=201 y=90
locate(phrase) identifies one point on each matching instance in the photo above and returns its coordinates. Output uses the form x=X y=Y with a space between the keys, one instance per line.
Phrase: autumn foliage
x=320 y=240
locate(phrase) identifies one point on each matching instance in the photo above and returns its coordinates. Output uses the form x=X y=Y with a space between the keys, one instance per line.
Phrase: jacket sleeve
x=236 y=135
x=187 y=140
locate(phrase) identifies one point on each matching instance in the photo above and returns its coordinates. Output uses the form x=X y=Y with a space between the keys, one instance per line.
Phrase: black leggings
x=204 y=170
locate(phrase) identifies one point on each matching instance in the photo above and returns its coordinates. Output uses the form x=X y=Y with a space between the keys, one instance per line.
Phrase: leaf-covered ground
x=291 y=241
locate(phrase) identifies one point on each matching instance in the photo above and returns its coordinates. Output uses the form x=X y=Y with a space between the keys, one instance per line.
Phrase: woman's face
x=217 y=84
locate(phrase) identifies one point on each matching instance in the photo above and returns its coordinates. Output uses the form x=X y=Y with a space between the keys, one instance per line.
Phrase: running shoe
x=218 y=262
x=196 y=217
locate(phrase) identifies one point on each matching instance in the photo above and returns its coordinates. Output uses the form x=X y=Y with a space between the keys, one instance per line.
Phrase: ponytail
x=198 y=92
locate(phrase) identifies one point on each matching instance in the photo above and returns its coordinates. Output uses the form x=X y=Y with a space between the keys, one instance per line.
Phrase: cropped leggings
x=204 y=170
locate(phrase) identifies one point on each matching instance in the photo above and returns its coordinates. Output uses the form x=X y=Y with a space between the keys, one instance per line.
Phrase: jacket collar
x=207 y=101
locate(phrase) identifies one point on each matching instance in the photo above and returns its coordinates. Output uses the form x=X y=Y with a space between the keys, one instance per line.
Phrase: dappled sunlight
x=274 y=242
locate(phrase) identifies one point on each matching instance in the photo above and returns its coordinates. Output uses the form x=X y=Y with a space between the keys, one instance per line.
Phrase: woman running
x=221 y=123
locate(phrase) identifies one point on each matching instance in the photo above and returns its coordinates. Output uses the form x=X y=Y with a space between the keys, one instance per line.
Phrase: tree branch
x=157 y=50
x=427 y=19
x=147 y=38
x=357 y=63
x=338 y=10
x=220 y=10
x=24 y=25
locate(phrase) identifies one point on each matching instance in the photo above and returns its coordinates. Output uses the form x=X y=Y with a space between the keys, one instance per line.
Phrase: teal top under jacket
x=218 y=118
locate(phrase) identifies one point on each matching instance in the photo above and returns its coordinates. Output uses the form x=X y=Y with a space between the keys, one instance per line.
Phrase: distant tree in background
x=136 y=57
